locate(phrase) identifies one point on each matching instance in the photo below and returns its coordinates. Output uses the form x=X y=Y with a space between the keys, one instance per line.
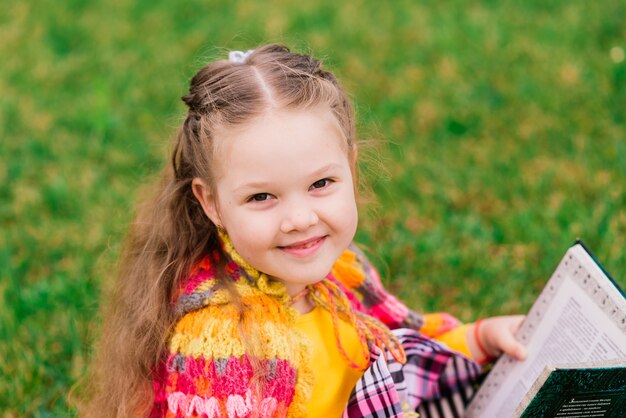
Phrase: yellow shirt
x=334 y=378
x=456 y=339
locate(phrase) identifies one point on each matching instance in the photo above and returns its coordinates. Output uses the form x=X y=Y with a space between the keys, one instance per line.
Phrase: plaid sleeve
x=435 y=381
x=375 y=394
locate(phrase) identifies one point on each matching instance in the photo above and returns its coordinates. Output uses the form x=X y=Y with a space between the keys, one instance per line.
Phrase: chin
x=304 y=278
x=310 y=278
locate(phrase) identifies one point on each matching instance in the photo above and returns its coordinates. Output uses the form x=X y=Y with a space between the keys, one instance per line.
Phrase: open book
x=579 y=317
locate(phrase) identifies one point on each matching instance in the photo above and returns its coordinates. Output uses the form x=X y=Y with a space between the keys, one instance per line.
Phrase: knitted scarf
x=235 y=351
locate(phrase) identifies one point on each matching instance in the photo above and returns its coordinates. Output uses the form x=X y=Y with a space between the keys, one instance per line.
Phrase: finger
x=508 y=344
x=516 y=322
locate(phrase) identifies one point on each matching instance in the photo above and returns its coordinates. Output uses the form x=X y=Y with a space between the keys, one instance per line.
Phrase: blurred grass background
x=503 y=122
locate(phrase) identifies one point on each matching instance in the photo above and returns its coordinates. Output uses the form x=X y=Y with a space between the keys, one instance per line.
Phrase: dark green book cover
x=579 y=392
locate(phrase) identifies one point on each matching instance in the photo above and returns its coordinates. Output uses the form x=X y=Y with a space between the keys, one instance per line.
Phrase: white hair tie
x=239 y=57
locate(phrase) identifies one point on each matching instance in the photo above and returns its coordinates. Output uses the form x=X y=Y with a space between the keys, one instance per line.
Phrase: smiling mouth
x=304 y=248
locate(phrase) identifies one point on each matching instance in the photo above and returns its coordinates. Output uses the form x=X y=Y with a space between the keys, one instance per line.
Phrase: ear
x=208 y=202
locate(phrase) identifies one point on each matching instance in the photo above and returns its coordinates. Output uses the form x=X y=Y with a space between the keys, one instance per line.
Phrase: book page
x=580 y=316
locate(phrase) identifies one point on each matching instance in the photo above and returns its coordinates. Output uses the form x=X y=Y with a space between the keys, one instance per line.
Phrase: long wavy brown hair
x=171 y=232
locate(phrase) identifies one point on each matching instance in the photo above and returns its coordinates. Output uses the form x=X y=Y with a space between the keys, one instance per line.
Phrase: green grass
x=504 y=139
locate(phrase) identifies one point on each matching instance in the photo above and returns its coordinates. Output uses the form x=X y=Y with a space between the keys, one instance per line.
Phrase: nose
x=299 y=216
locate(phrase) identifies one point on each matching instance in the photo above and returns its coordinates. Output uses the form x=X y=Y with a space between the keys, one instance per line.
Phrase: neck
x=301 y=301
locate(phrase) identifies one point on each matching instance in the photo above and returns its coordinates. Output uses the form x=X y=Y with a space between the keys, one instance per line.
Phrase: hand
x=496 y=336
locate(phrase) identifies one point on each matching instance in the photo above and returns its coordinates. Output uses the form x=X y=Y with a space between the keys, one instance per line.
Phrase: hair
x=171 y=232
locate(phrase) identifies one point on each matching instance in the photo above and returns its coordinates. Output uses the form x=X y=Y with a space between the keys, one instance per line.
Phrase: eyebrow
x=259 y=185
x=325 y=169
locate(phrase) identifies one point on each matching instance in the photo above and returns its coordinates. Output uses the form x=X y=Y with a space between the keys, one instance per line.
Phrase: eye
x=259 y=197
x=320 y=184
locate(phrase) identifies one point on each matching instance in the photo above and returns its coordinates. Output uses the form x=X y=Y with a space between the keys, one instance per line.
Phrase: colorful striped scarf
x=234 y=351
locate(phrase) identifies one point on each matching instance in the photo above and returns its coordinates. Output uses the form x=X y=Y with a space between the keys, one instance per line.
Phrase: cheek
x=345 y=213
x=353 y=219
x=249 y=232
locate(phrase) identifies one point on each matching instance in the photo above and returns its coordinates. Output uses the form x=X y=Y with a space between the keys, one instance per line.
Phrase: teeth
x=307 y=245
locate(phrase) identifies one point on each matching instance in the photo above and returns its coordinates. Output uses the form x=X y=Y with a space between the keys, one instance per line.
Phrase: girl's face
x=285 y=194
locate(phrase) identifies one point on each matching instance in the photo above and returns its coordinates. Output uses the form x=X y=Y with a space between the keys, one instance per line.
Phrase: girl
x=241 y=293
